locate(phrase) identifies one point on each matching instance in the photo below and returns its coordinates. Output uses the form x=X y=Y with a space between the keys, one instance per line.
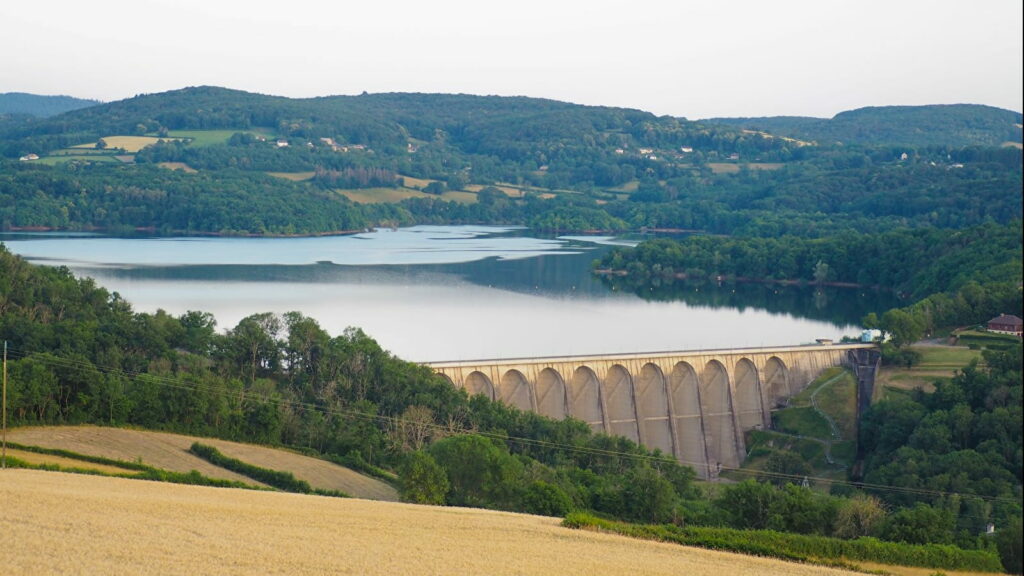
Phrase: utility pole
x=5 y=407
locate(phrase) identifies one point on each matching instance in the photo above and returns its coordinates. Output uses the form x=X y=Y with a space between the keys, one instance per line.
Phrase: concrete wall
x=694 y=405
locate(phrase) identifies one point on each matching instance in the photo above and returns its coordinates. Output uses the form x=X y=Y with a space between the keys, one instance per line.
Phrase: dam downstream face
x=698 y=414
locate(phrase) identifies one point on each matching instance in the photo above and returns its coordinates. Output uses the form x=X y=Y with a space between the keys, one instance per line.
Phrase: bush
x=281 y=480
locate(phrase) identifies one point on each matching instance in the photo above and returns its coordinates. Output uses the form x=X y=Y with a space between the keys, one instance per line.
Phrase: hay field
x=69 y=524
x=130 y=144
x=170 y=452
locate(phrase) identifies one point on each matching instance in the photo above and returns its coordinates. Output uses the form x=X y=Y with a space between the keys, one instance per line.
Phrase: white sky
x=692 y=58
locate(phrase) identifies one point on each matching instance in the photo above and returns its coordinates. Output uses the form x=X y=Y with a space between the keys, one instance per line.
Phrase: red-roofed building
x=1006 y=324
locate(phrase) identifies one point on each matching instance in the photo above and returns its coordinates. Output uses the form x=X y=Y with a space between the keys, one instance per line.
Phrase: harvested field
x=170 y=452
x=65 y=523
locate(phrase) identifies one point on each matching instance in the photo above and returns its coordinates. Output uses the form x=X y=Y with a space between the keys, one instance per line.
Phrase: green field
x=53 y=160
x=938 y=363
x=212 y=137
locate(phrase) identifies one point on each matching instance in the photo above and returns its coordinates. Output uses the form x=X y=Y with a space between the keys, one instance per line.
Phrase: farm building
x=1006 y=324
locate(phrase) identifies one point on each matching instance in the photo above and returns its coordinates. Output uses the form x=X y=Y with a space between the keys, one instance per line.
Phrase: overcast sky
x=696 y=59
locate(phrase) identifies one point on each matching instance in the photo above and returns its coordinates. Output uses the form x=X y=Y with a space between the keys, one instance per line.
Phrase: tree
x=858 y=516
x=422 y=480
x=1008 y=540
x=480 y=473
x=101 y=144
x=904 y=327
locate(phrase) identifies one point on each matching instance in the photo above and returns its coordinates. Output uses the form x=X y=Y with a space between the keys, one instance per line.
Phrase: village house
x=282 y=143
x=1006 y=324
x=29 y=157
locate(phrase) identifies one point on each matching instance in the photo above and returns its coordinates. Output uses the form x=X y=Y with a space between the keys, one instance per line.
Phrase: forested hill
x=936 y=125
x=511 y=128
x=42 y=106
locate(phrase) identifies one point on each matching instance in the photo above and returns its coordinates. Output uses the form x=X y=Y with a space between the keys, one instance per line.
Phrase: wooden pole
x=5 y=406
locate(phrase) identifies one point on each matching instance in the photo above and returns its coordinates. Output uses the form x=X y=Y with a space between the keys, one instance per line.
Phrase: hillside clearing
x=178 y=166
x=130 y=144
x=390 y=195
x=67 y=523
x=170 y=452
x=293 y=176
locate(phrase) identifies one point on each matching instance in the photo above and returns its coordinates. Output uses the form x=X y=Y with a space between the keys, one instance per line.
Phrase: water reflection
x=437 y=293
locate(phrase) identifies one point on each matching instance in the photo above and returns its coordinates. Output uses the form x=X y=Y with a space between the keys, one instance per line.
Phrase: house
x=646 y=151
x=282 y=143
x=685 y=149
x=1006 y=324
x=29 y=157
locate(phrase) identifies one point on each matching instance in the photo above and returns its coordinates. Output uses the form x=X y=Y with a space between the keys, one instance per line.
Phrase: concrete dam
x=694 y=405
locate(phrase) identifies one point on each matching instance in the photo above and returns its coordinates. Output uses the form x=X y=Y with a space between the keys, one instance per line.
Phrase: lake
x=431 y=293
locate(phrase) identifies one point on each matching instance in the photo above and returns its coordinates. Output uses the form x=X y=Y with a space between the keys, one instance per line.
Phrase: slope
x=170 y=452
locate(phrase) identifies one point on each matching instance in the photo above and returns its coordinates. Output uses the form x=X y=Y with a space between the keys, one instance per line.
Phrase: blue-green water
x=447 y=292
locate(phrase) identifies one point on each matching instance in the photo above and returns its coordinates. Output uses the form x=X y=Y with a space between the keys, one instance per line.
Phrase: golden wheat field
x=170 y=452
x=57 y=523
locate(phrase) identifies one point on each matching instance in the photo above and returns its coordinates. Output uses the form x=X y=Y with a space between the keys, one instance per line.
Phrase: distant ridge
x=932 y=125
x=41 y=106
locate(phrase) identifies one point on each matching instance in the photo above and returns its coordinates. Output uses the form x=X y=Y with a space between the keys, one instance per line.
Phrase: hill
x=935 y=125
x=62 y=523
x=170 y=452
x=41 y=106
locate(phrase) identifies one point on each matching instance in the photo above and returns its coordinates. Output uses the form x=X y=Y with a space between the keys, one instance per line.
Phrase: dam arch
x=653 y=409
x=688 y=418
x=585 y=398
x=551 y=394
x=620 y=403
x=515 y=390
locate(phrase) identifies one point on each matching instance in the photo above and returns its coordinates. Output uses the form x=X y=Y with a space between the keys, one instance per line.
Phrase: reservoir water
x=450 y=292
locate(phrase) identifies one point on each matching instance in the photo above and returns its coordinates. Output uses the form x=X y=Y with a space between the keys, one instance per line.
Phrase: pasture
x=67 y=523
x=212 y=137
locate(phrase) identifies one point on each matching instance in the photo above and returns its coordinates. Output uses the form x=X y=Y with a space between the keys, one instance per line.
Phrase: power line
x=244 y=396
